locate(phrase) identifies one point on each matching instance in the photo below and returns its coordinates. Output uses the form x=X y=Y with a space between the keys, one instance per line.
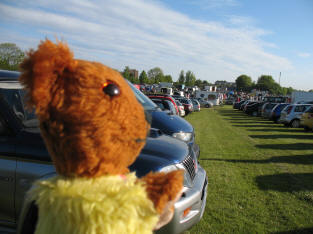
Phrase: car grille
x=189 y=164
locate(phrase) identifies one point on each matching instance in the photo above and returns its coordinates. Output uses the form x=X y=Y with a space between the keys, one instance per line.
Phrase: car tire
x=207 y=105
x=254 y=114
x=295 y=123
x=30 y=221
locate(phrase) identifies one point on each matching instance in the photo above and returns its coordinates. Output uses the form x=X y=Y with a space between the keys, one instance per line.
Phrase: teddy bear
x=94 y=128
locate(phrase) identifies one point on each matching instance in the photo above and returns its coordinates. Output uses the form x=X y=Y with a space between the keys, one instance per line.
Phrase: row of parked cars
x=175 y=104
x=291 y=115
x=24 y=159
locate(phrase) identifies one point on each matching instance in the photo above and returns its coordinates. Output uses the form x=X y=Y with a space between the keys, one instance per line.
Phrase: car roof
x=9 y=75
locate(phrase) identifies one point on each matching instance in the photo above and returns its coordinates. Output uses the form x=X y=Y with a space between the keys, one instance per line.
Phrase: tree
x=129 y=76
x=10 y=56
x=155 y=75
x=190 y=79
x=143 y=78
x=198 y=83
x=243 y=83
x=167 y=78
x=266 y=83
x=126 y=73
x=181 y=78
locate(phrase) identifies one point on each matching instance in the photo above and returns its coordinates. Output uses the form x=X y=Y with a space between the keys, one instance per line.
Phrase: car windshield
x=143 y=99
x=15 y=97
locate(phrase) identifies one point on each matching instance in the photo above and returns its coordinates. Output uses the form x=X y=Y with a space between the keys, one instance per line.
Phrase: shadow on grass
x=261 y=125
x=302 y=137
x=297 y=231
x=286 y=182
x=295 y=159
x=230 y=112
x=239 y=117
x=295 y=146
x=276 y=130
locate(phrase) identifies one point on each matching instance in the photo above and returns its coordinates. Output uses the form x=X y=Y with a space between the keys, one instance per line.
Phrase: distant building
x=210 y=88
x=134 y=73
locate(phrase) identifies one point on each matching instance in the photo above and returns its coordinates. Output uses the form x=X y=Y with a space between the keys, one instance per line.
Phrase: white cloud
x=144 y=34
x=304 y=55
x=211 y=4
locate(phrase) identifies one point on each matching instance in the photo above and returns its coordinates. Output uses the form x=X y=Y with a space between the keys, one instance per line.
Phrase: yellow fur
x=107 y=204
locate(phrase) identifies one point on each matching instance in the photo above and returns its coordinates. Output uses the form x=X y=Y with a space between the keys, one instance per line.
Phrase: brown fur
x=87 y=132
x=162 y=188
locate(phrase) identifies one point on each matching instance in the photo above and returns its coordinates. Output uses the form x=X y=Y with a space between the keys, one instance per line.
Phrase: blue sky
x=215 y=39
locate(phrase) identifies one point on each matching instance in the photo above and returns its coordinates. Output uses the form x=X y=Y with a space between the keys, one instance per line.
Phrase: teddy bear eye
x=111 y=89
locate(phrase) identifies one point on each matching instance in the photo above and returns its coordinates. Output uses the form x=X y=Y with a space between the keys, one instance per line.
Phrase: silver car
x=291 y=115
x=196 y=104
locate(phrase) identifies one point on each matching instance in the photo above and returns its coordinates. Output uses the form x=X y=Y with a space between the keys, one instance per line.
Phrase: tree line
x=11 y=56
x=156 y=75
x=264 y=83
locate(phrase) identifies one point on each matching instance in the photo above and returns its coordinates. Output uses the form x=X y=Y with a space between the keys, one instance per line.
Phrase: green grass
x=260 y=174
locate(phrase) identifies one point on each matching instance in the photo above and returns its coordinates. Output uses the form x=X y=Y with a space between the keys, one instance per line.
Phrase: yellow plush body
x=107 y=204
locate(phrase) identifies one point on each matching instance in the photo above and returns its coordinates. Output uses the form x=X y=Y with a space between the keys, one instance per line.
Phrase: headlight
x=184 y=136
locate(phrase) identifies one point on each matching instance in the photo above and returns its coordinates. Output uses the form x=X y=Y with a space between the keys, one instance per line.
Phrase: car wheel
x=295 y=123
x=30 y=221
x=207 y=105
x=254 y=113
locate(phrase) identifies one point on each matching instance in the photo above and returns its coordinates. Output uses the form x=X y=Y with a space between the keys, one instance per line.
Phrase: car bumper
x=193 y=198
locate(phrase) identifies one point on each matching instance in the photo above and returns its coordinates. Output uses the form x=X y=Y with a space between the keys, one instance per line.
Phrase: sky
x=215 y=39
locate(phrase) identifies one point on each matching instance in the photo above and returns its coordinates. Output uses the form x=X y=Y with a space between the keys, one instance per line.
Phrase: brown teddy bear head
x=90 y=119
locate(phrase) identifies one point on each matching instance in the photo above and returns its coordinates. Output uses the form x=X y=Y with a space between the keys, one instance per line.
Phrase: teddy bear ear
x=41 y=69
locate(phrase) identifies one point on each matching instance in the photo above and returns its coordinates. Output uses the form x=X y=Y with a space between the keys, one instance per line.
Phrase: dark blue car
x=275 y=114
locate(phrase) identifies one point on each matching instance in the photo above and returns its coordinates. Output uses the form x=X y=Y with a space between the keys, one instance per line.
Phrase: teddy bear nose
x=111 y=90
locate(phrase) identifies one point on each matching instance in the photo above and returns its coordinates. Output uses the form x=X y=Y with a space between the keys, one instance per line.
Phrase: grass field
x=260 y=174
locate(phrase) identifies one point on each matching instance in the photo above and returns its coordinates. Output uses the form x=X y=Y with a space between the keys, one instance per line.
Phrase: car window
x=310 y=110
x=143 y=99
x=299 y=108
x=16 y=99
x=178 y=103
x=162 y=107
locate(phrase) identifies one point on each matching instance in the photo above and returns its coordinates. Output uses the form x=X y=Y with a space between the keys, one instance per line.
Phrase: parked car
x=164 y=96
x=275 y=113
x=242 y=106
x=252 y=108
x=172 y=125
x=196 y=104
x=229 y=101
x=165 y=105
x=187 y=105
x=24 y=159
x=261 y=105
x=291 y=115
x=204 y=103
x=267 y=109
x=237 y=105
x=180 y=108
x=307 y=119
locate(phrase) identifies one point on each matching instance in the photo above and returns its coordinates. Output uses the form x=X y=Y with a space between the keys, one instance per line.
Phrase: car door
x=7 y=174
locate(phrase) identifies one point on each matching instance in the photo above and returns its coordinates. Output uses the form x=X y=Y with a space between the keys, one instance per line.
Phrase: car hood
x=169 y=124
x=158 y=152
